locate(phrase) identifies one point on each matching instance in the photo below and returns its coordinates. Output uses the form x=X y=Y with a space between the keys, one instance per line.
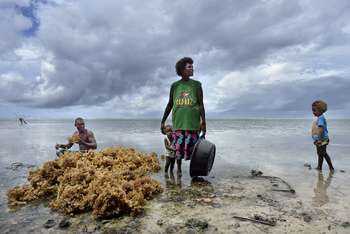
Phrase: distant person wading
x=22 y=121
x=188 y=114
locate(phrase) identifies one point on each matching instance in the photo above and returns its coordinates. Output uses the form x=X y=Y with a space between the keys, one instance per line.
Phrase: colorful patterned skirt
x=184 y=142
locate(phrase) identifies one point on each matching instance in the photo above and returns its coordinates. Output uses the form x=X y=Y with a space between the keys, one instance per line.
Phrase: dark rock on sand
x=197 y=224
x=270 y=221
x=216 y=205
x=307 y=218
x=160 y=222
x=172 y=229
x=64 y=223
x=343 y=171
x=90 y=228
x=49 y=223
x=256 y=173
x=191 y=205
x=345 y=224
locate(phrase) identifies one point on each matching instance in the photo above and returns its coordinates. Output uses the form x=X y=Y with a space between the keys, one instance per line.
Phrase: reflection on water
x=171 y=182
x=320 y=190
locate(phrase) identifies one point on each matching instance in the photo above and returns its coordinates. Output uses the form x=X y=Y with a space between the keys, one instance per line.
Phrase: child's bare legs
x=169 y=162
x=322 y=153
x=172 y=164
x=179 y=171
x=320 y=162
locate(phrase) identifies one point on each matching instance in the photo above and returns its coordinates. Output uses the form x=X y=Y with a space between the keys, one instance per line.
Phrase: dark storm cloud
x=234 y=34
x=99 y=51
x=291 y=97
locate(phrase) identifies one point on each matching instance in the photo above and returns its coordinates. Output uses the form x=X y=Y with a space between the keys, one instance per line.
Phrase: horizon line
x=153 y=118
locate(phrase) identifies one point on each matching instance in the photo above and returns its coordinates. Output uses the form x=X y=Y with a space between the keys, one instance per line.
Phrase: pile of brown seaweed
x=108 y=182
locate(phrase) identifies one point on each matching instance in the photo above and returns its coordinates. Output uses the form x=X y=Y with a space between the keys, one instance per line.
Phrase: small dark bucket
x=202 y=158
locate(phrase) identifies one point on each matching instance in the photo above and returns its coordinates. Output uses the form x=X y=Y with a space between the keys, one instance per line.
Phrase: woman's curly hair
x=181 y=64
x=320 y=105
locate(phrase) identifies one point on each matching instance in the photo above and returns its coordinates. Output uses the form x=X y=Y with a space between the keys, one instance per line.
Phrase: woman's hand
x=203 y=129
x=162 y=127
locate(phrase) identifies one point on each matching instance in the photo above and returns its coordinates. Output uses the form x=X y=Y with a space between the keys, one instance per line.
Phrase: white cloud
x=7 y=79
x=29 y=51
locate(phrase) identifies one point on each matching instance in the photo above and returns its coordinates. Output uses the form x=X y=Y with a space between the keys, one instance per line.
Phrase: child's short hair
x=320 y=105
x=168 y=126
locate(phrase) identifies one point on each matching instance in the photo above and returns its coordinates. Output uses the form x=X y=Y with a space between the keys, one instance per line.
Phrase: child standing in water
x=320 y=134
x=170 y=150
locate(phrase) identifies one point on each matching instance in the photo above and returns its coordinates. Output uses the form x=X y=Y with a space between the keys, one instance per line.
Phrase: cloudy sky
x=115 y=59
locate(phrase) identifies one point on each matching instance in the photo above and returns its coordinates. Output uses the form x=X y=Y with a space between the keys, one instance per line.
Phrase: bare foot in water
x=179 y=173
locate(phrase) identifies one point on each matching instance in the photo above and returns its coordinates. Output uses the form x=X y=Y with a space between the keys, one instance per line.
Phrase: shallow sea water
x=277 y=147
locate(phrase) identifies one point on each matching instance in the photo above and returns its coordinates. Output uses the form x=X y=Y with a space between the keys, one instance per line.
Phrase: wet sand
x=207 y=205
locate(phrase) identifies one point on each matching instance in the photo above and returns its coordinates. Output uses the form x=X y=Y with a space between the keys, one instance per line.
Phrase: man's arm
x=64 y=146
x=168 y=108
x=68 y=145
x=202 y=110
x=92 y=141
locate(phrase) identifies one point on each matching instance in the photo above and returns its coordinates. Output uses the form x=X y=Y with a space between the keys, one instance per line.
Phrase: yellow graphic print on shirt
x=184 y=99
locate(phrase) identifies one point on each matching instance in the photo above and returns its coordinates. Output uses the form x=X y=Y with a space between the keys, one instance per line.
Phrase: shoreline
x=205 y=206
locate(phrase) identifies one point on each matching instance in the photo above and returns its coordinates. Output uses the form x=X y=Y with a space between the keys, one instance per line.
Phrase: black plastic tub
x=202 y=158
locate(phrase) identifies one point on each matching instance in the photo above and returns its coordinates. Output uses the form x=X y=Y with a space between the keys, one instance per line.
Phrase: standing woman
x=188 y=114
